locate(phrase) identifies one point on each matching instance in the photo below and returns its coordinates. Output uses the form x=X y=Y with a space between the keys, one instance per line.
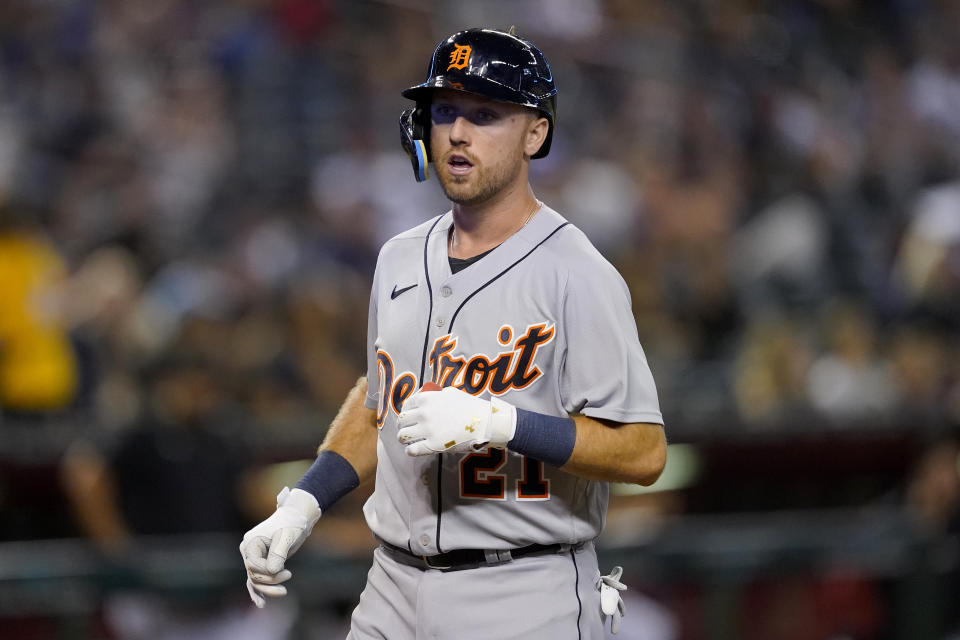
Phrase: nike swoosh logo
x=396 y=292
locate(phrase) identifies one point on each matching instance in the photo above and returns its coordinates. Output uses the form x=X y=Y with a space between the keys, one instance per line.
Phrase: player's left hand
x=455 y=421
x=610 y=601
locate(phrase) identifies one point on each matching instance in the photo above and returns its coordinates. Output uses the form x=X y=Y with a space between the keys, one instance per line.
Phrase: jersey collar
x=509 y=251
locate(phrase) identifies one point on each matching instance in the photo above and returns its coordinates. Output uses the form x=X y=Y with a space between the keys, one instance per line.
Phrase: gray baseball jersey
x=543 y=321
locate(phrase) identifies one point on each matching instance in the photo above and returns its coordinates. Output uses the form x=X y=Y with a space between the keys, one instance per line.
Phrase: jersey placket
x=425 y=514
x=454 y=315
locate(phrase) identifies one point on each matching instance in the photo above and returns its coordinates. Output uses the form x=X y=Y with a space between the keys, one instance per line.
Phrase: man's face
x=478 y=144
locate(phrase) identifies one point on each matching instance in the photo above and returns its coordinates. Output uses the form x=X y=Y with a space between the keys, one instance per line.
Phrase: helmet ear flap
x=415 y=138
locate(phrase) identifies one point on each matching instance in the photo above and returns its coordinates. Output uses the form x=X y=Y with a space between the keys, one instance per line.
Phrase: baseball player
x=505 y=386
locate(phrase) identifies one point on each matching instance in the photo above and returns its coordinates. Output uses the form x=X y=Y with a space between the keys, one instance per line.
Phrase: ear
x=535 y=135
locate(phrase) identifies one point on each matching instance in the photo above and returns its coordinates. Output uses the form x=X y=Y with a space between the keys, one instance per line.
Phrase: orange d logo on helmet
x=460 y=56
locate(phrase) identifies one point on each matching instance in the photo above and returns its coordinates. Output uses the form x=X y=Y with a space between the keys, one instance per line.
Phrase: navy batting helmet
x=487 y=62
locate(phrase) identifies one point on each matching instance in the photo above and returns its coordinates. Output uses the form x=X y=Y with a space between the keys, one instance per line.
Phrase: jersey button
x=446 y=291
x=425 y=478
x=440 y=322
x=424 y=540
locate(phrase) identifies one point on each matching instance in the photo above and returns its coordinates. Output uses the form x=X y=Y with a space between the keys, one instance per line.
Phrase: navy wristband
x=546 y=438
x=329 y=478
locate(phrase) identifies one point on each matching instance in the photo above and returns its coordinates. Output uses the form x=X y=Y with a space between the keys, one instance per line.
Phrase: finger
x=254 y=552
x=622 y=608
x=615 y=625
x=410 y=434
x=266 y=578
x=279 y=549
x=614 y=584
x=409 y=416
x=465 y=447
x=270 y=590
x=256 y=597
x=420 y=448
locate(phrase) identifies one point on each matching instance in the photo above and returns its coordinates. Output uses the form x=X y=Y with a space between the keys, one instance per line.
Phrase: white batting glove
x=266 y=547
x=610 y=601
x=453 y=420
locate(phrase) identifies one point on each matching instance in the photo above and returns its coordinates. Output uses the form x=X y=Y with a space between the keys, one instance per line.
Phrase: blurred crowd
x=193 y=195
x=778 y=182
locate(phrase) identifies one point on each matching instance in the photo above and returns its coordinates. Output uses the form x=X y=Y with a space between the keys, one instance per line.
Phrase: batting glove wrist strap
x=299 y=504
x=503 y=423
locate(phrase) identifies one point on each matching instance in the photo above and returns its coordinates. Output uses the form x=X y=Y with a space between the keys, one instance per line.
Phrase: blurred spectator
x=325 y=339
x=779 y=255
x=736 y=164
x=932 y=495
x=931 y=501
x=177 y=473
x=770 y=371
x=38 y=368
x=849 y=381
x=919 y=363
x=602 y=199
x=103 y=308
x=927 y=265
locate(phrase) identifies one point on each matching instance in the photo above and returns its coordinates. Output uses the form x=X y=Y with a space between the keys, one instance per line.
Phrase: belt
x=460 y=559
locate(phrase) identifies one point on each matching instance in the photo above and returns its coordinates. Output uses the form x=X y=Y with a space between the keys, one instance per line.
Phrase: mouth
x=458 y=164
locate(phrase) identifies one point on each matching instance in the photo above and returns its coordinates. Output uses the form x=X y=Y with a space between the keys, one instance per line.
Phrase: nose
x=460 y=131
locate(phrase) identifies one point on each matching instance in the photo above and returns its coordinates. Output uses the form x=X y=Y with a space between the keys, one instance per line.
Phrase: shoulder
x=403 y=242
x=416 y=234
x=579 y=261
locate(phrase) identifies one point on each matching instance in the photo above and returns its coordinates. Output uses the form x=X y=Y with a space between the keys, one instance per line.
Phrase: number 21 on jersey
x=480 y=477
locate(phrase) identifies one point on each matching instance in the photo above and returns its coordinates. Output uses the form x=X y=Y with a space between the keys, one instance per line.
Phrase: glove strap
x=503 y=423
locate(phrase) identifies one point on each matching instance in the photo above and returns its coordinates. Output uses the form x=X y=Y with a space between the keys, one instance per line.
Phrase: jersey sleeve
x=373 y=387
x=604 y=373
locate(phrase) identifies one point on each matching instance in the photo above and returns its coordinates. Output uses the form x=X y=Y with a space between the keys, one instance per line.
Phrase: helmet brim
x=470 y=84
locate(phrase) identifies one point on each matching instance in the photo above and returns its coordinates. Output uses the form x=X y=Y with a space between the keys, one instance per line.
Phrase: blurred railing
x=753 y=514
x=721 y=554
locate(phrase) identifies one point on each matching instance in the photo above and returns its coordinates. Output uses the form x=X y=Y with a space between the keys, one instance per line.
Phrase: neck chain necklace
x=533 y=211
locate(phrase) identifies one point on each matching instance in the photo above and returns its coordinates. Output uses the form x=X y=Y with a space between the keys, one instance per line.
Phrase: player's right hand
x=266 y=547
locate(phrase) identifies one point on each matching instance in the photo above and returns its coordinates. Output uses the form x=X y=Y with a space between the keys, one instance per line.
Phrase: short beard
x=488 y=184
